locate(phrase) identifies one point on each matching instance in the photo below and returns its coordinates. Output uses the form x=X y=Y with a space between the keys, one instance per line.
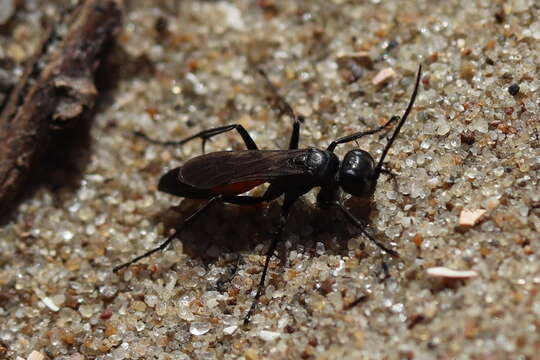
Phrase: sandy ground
x=471 y=143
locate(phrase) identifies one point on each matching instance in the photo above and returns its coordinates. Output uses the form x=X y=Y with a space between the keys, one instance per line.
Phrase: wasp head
x=357 y=175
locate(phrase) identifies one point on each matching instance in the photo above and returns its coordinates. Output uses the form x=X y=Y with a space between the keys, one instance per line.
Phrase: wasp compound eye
x=357 y=174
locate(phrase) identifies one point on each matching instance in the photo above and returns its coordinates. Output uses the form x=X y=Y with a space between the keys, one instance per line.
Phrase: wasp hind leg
x=205 y=135
x=284 y=108
x=177 y=232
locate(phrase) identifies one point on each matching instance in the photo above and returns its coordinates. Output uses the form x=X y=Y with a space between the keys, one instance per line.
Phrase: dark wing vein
x=229 y=167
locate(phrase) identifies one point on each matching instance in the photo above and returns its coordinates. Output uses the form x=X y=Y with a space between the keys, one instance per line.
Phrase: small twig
x=359 y=300
x=49 y=100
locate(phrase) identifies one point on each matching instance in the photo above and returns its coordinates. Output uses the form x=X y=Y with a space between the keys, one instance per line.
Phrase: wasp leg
x=228 y=276
x=178 y=230
x=392 y=176
x=362 y=227
x=358 y=135
x=205 y=135
x=285 y=108
x=289 y=200
x=295 y=135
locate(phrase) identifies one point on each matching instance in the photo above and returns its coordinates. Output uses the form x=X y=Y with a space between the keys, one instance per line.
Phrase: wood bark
x=56 y=88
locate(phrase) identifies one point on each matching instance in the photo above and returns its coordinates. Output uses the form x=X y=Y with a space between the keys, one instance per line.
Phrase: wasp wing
x=230 y=167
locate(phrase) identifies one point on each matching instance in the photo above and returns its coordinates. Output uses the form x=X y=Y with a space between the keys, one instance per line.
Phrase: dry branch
x=57 y=87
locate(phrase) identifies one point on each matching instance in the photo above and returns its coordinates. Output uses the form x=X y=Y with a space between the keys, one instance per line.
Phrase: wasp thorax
x=357 y=174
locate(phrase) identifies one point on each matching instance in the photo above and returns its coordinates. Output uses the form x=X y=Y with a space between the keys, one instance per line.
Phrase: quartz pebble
x=269 y=335
x=7 y=9
x=50 y=304
x=383 y=76
x=198 y=328
x=230 y=329
x=470 y=217
x=36 y=355
x=362 y=58
x=444 y=272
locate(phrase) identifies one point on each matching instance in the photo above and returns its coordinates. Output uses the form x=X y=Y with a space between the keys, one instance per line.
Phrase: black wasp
x=222 y=176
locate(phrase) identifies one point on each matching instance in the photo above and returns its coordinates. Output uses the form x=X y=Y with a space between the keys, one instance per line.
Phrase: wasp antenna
x=400 y=124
